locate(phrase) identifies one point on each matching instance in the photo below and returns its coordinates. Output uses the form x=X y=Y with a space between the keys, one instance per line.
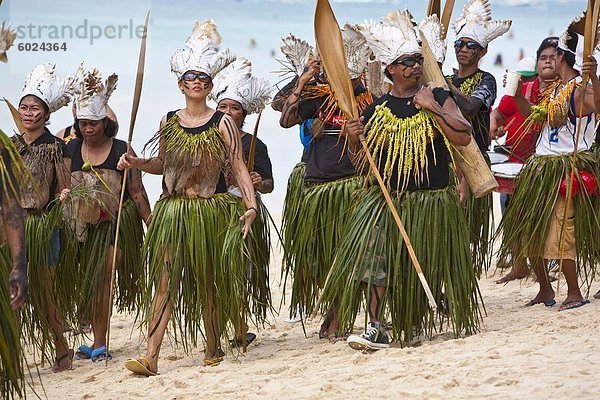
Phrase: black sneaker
x=372 y=339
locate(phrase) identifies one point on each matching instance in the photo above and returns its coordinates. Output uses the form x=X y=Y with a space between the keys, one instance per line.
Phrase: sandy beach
x=534 y=353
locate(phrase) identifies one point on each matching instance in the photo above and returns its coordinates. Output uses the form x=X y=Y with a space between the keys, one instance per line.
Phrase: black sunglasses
x=410 y=62
x=458 y=44
x=192 y=76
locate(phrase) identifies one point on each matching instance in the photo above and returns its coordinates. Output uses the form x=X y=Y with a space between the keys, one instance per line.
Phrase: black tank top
x=215 y=119
x=118 y=148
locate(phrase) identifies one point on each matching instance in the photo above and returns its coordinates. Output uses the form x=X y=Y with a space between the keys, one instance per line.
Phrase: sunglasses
x=192 y=76
x=458 y=44
x=410 y=62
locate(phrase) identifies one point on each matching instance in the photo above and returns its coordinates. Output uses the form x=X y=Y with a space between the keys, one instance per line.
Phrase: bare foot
x=597 y=295
x=64 y=362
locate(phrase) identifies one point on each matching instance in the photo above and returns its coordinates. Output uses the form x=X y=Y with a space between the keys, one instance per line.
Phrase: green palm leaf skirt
x=311 y=240
x=480 y=220
x=40 y=229
x=372 y=252
x=526 y=223
x=90 y=278
x=259 y=252
x=197 y=245
x=291 y=206
x=12 y=372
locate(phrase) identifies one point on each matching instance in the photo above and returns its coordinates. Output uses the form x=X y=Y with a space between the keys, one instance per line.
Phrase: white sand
x=520 y=353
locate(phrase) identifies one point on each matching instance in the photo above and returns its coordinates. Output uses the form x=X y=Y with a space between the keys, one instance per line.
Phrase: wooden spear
x=252 y=152
x=434 y=7
x=134 y=109
x=445 y=18
x=333 y=57
x=589 y=42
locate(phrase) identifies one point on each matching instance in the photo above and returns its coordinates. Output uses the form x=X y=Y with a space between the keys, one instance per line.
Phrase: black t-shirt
x=119 y=147
x=262 y=162
x=486 y=92
x=327 y=158
x=438 y=166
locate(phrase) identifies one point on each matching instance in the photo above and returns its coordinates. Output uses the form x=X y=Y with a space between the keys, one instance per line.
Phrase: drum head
x=507 y=170
x=497 y=158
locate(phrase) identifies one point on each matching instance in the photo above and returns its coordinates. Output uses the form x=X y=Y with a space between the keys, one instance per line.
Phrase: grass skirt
x=93 y=254
x=525 y=225
x=480 y=221
x=12 y=372
x=436 y=224
x=197 y=245
x=311 y=239
x=40 y=229
x=291 y=206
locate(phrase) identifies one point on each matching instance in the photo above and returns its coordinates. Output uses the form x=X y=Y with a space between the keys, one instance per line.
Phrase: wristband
x=252 y=208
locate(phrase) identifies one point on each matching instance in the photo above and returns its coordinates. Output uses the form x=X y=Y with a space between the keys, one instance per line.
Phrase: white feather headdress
x=394 y=37
x=201 y=52
x=357 y=50
x=237 y=83
x=297 y=52
x=575 y=31
x=93 y=94
x=432 y=30
x=43 y=83
x=476 y=23
x=7 y=38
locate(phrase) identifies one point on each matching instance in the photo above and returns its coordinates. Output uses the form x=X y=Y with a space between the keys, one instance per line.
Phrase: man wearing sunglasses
x=475 y=92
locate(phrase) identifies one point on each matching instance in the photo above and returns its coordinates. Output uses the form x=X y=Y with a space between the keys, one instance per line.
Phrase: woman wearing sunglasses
x=195 y=243
x=408 y=132
x=475 y=93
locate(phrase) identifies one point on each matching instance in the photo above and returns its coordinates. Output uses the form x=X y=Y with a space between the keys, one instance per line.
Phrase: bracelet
x=252 y=208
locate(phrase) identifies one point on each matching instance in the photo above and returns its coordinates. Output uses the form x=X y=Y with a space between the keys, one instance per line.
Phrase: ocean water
x=240 y=22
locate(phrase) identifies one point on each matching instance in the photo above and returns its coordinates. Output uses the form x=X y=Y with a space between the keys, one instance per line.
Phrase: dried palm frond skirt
x=527 y=221
x=91 y=278
x=480 y=219
x=196 y=244
x=12 y=372
x=314 y=234
x=372 y=252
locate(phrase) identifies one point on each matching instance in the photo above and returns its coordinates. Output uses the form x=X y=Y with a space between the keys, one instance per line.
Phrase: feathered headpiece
x=571 y=40
x=297 y=52
x=394 y=37
x=43 y=83
x=7 y=38
x=93 y=94
x=201 y=52
x=357 y=51
x=476 y=23
x=237 y=83
x=432 y=30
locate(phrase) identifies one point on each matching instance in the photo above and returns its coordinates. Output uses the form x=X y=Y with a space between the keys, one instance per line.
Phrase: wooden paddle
x=134 y=109
x=15 y=115
x=333 y=57
x=445 y=18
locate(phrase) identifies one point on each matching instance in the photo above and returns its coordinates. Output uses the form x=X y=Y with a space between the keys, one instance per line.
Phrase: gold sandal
x=141 y=366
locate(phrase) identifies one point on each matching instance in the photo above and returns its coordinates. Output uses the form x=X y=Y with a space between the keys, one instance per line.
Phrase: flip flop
x=547 y=303
x=569 y=305
x=140 y=366
x=240 y=343
x=84 y=352
x=99 y=354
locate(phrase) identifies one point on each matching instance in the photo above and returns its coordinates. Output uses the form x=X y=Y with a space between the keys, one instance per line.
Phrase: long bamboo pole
x=591 y=28
x=134 y=109
x=333 y=57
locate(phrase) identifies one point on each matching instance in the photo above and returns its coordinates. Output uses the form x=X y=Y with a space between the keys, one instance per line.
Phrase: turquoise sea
x=240 y=22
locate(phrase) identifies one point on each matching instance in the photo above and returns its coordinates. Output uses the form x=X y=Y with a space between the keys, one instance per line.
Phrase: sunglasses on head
x=410 y=62
x=471 y=45
x=192 y=76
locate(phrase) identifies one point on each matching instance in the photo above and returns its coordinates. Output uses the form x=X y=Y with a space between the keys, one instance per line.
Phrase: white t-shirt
x=557 y=141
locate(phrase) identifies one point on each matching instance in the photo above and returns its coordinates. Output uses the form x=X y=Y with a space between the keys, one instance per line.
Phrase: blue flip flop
x=570 y=305
x=99 y=354
x=84 y=352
